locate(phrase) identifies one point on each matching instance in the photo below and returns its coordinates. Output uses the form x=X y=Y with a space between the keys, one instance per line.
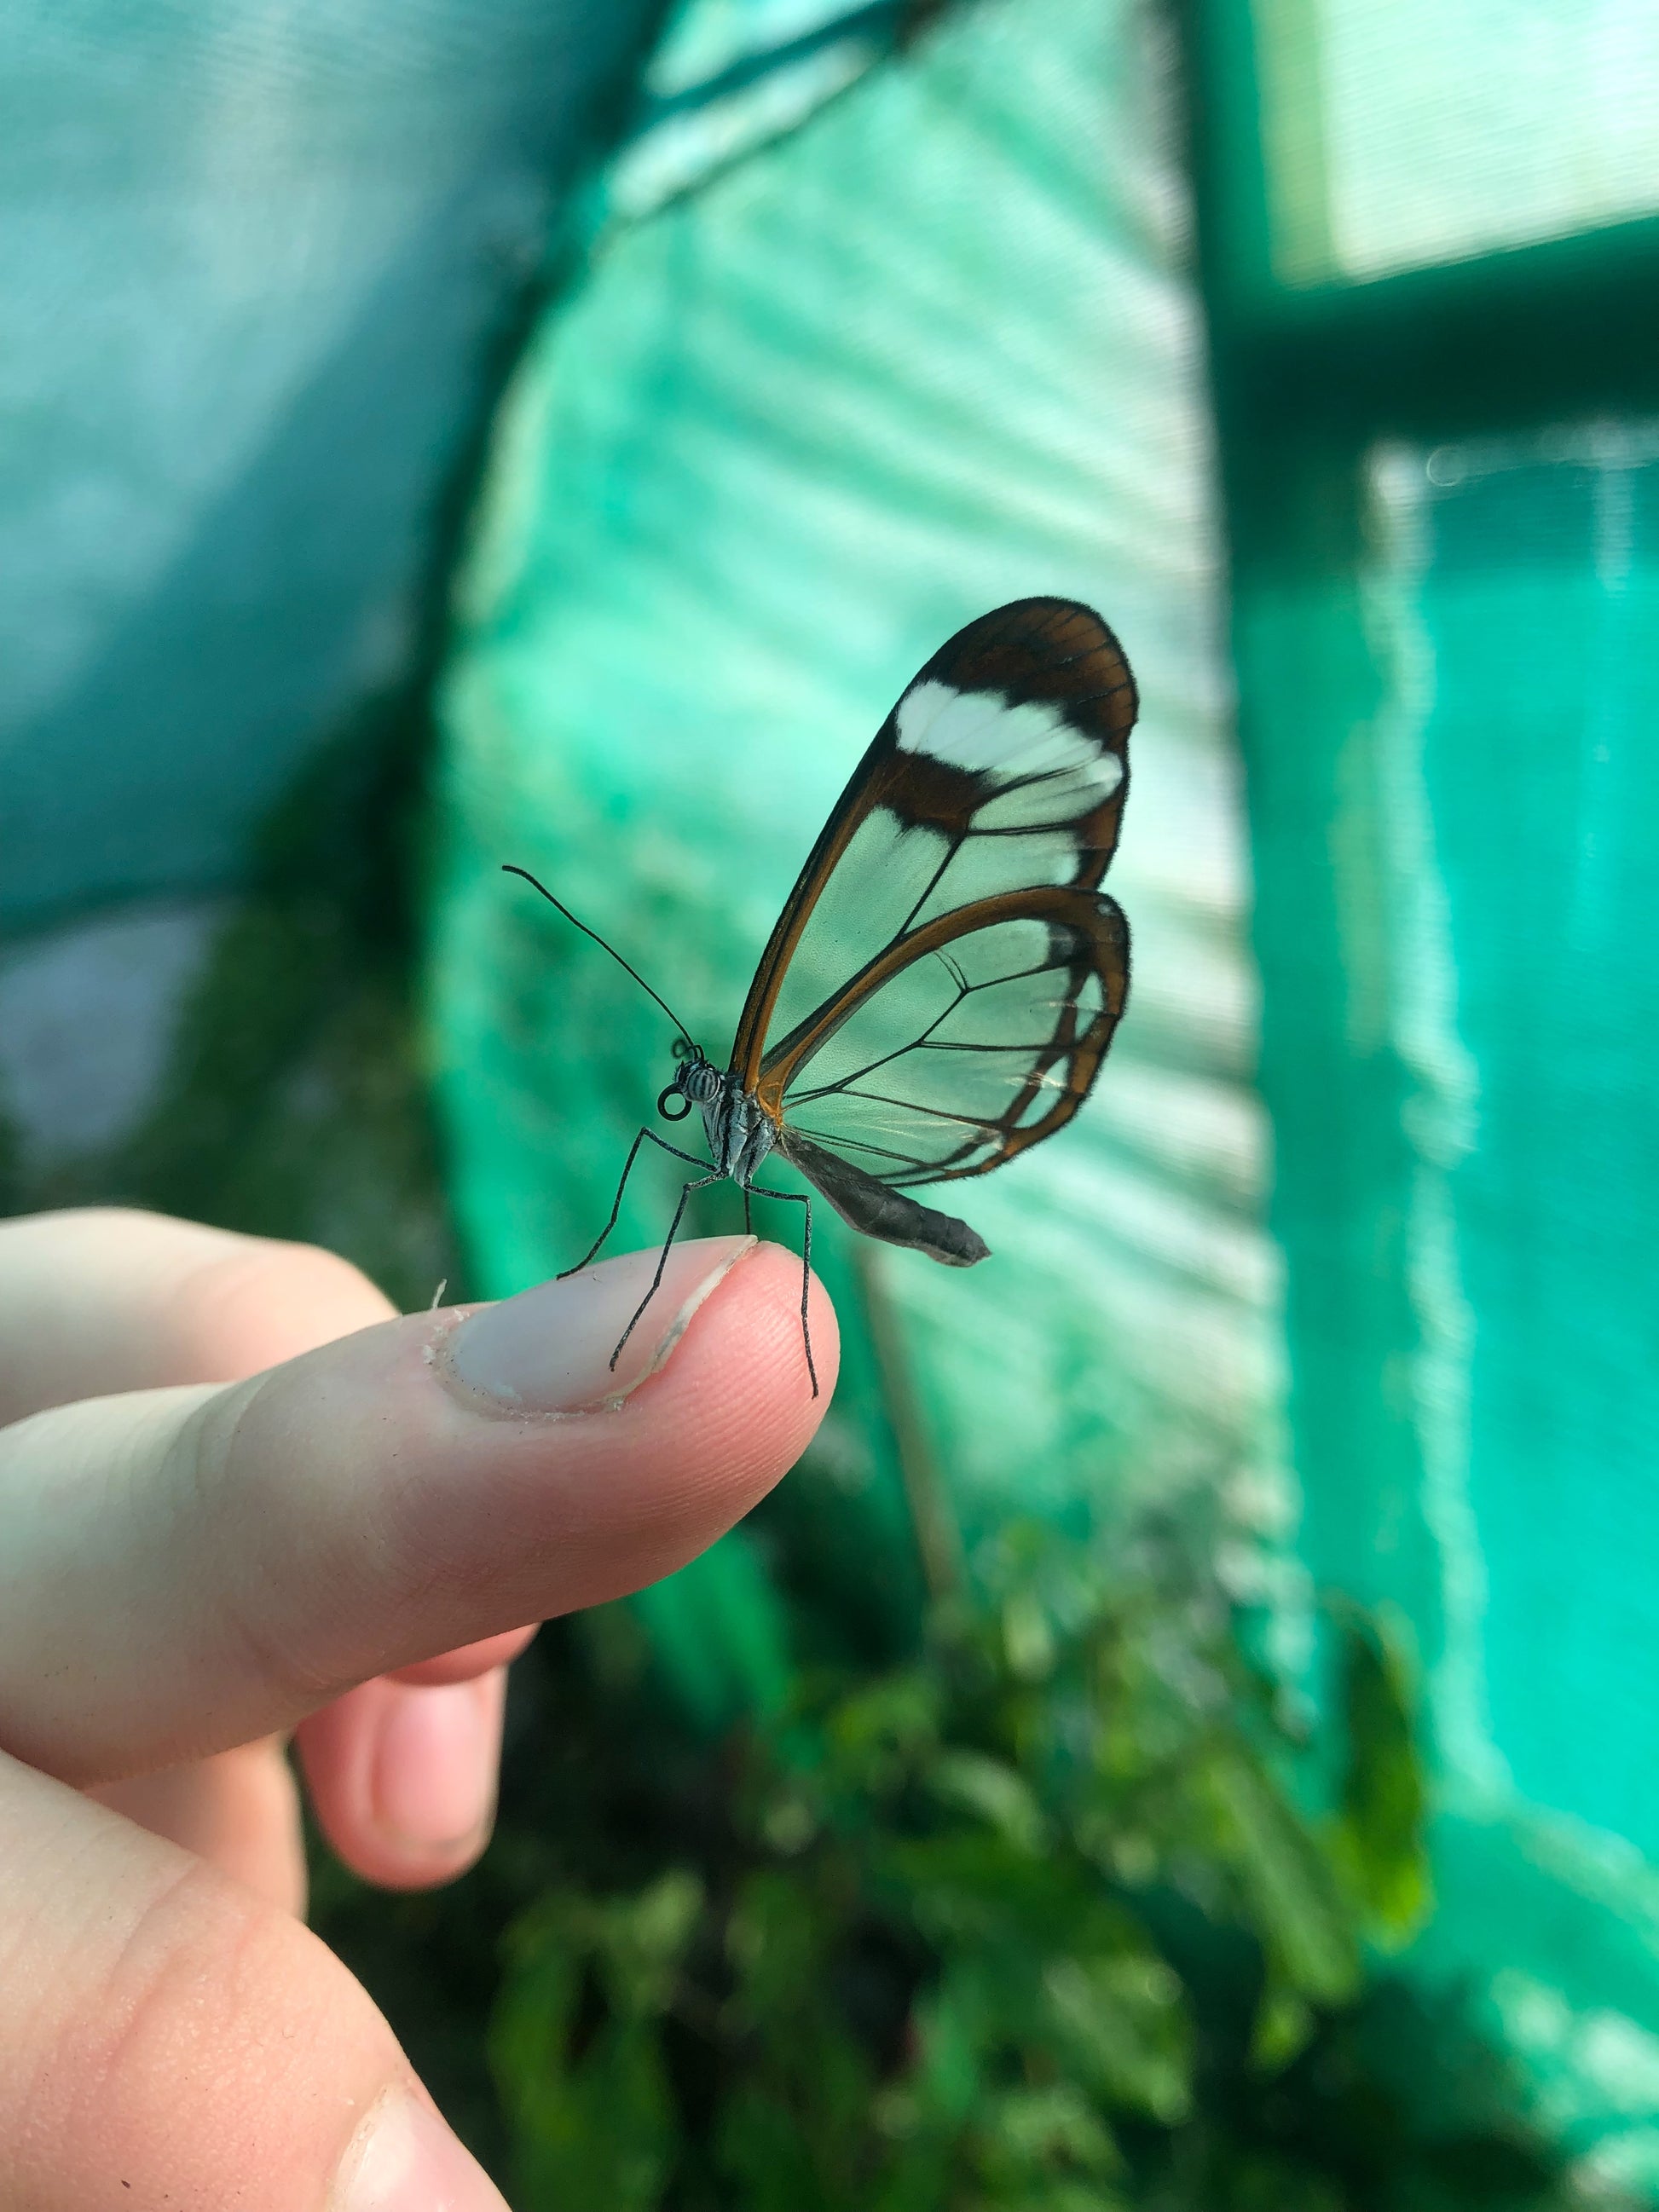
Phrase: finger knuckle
x=214 y=2040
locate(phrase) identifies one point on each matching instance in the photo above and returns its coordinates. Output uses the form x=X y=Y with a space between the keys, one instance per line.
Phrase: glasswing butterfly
x=942 y=984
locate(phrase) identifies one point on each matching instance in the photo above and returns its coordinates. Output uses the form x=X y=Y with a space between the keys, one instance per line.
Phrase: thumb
x=187 y=1569
x=171 y=2039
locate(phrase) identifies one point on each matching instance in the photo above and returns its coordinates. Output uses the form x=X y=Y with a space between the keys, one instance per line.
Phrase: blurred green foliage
x=1048 y=1915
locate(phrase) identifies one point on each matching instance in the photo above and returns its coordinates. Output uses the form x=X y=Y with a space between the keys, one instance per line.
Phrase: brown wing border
x=1028 y=649
x=1103 y=951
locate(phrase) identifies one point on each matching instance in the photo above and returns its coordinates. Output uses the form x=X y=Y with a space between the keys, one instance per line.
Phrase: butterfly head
x=696 y=1082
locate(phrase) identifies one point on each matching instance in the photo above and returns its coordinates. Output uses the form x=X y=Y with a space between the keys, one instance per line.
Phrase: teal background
x=556 y=434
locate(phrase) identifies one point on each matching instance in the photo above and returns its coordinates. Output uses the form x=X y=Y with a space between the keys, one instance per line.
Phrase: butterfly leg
x=698 y=1182
x=663 y=1145
x=796 y=1198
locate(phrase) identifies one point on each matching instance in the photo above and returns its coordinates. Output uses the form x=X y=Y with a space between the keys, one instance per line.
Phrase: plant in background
x=1041 y=1919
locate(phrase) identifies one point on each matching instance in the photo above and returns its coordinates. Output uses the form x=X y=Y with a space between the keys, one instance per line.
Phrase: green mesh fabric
x=256 y=259
x=928 y=352
x=1461 y=1052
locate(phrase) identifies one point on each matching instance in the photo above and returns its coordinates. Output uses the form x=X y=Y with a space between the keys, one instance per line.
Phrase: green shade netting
x=257 y=259
x=1453 y=778
x=928 y=351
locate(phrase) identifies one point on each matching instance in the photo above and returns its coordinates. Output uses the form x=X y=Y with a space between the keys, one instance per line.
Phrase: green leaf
x=1283 y=2027
x=993 y=1792
x=774 y=1943
x=1120 y=2023
x=875 y=1738
x=950 y=2032
x=1025 y=2137
x=1028 y=1637
x=593 y=2118
x=1380 y=1831
x=1295 y=1904
x=642 y=1940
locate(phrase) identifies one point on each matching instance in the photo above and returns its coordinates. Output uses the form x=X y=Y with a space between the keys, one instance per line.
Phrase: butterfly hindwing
x=972 y=1039
x=943 y=984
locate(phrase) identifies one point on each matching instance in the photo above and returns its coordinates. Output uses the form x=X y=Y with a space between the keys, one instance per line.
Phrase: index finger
x=98 y=1299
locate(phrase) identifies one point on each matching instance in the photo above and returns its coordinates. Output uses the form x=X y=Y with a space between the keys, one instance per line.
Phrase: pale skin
x=242 y=1506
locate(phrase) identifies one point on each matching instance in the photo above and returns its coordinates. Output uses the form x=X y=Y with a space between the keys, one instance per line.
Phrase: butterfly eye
x=679 y=1099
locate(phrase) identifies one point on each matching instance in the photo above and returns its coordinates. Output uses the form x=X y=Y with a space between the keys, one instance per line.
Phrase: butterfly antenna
x=509 y=868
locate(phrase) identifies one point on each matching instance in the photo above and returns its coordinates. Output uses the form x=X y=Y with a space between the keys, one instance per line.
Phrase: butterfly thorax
x=740 y=1131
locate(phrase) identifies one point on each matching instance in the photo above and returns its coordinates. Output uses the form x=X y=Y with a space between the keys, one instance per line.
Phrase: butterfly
x=944 y=982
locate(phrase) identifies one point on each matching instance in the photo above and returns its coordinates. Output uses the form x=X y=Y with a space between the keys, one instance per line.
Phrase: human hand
x=240 y=1499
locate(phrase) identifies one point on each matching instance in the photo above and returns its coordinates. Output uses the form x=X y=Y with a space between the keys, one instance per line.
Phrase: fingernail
x=403 y=2159
x=433 y=1779
x=549 y=1350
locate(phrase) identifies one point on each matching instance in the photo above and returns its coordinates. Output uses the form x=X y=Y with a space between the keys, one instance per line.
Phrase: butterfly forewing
x=1002 y=769
x=941 y=989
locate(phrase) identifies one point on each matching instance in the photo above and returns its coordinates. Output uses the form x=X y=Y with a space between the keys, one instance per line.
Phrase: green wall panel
x=932 y=350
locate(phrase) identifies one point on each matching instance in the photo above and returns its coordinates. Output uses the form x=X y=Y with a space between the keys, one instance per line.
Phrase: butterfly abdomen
x=877 y=1210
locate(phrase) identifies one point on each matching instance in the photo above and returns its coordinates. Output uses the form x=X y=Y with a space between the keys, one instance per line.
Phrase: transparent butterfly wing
x=971 y=1038
x=1002 y=770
